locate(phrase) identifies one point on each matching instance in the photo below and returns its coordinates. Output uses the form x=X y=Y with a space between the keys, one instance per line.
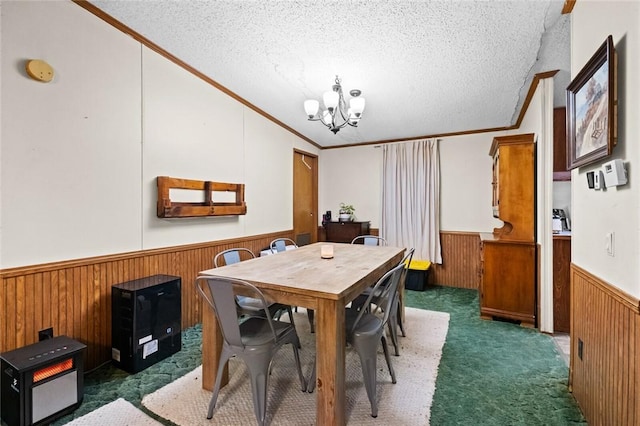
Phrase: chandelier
x=336 y=115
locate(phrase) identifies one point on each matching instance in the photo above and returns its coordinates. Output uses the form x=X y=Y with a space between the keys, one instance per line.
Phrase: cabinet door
x=561 y=284
x=508 y=282
x=560 y=171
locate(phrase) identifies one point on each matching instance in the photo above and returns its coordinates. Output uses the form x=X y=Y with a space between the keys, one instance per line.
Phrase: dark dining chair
x=395 y=318
x=365 y=330
x=256 y=339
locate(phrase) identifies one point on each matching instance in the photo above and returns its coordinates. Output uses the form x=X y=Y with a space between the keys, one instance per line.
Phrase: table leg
x=330 y=363
x=211 y=347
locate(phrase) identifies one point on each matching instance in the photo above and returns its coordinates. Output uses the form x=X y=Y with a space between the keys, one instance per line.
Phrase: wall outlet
x=45 y=334
x=580 y=347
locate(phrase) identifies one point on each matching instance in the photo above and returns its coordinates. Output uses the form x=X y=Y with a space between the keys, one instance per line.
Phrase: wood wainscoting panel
x=74 y=297
x=605 y=376
x=460 y=260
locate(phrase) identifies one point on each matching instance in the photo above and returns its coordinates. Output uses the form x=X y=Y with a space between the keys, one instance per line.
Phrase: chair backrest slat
x=232 y=256
x=280 y=244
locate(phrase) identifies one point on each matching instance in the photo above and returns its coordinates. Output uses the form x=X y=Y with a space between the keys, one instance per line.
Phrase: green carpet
x=108 y=383
x=491 y=373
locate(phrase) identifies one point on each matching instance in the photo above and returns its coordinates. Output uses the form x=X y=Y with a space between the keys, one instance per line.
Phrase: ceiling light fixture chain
x=336 y=115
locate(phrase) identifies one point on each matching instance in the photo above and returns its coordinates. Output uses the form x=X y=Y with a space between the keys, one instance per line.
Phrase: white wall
x=79 y=156
x=70 y=148
x=465 y=183
x=562 y=197
x=354 y=175
x=596 y=213
x=351 y=176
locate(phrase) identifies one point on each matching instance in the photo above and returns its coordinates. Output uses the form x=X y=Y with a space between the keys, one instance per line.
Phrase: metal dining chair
x=232 y=255
x=255 y=340
x=280 y=244
x=248 y=305
x=369 y=240
x=395 y=319
x=366 y=329
x=395 y=316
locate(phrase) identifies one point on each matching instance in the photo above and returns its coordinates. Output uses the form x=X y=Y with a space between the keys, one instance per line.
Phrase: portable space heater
x=41 y=382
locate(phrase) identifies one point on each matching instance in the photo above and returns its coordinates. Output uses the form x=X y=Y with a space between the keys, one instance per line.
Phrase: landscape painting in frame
x=591 y=109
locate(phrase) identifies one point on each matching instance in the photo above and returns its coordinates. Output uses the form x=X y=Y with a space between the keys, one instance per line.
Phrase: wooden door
x=305 y=197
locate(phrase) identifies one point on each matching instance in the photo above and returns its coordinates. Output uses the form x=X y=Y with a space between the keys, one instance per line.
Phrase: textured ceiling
x=424 y=67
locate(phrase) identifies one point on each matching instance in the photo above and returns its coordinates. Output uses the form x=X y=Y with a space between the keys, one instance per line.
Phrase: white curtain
x=411 y=197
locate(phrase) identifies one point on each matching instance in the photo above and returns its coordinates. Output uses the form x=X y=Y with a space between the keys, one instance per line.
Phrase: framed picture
x=592 y=109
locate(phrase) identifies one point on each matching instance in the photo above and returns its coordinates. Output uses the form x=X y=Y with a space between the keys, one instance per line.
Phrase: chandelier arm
x=342 y=114
x=319 y=118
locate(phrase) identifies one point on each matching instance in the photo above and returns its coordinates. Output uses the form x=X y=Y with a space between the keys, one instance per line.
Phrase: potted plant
x=346 y=212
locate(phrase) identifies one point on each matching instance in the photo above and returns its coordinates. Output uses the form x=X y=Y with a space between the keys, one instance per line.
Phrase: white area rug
x=118 y=412
x=408 y=402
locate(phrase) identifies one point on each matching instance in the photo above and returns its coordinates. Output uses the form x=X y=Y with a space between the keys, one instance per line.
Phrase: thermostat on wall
x=614 y=173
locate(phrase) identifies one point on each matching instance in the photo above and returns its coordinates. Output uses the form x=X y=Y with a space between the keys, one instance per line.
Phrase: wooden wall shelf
x=208 y=207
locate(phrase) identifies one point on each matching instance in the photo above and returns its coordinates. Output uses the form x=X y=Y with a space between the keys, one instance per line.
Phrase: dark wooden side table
x=344 y=232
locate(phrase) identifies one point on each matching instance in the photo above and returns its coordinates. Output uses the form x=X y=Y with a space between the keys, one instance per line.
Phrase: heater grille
x=52 y=370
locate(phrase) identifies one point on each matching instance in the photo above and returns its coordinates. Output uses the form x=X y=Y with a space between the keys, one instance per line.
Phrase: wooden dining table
x=301 y=277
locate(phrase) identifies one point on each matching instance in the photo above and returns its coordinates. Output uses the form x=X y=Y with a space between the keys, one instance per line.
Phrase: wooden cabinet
x=344 y=232
x=560 y=171
x=509 y=254
x=514 y=186
x=561 y=283
x=508 y=280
